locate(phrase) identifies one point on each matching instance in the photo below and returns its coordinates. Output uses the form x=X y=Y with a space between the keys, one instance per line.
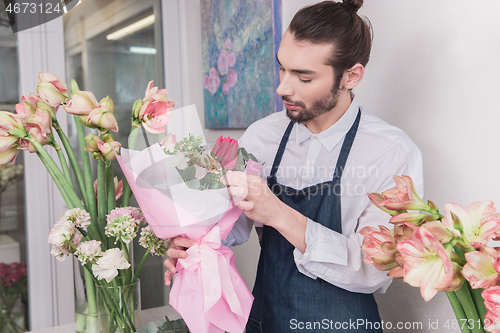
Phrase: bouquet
x=95 y=229
x=178 y=187
x=439 y=252
x=13 y=285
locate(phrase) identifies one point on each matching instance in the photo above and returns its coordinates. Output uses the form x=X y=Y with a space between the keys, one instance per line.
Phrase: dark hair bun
x=353 y=5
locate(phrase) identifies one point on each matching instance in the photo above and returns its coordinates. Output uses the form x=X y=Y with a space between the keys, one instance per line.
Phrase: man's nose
x=285 y=88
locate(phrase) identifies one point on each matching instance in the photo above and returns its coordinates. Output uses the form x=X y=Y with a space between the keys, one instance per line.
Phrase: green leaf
x=193 y=183
x=149 y=328
x=188 y=173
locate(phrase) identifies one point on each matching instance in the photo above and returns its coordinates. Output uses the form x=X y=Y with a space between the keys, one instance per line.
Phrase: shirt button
x=314 y=137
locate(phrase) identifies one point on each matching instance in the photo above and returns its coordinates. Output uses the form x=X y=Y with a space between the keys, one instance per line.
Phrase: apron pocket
x=253 y=326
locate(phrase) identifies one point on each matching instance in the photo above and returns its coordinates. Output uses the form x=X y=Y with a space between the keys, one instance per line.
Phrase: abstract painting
x=240 y=41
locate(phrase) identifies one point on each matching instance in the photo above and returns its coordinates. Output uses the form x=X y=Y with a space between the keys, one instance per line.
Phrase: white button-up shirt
x=379 y=151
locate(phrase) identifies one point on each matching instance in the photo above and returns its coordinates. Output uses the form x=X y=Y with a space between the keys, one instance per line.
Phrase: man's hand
x=175 y=251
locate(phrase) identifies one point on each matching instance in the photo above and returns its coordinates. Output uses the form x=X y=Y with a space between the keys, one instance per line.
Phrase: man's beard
x=319 y=107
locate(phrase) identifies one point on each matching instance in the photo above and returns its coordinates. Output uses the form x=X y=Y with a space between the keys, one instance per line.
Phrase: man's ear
x=353 y=76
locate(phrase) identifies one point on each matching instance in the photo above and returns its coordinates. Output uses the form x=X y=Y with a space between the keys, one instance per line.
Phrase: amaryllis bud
x=74 y=87
x=51 y=89
x=96 y=155
x=41 y=105
x=107 y=102
x=136 y=108
x=11 y=124
x=9 y=153
x=108 y=149
x=108 y=137
x=27 y=106
x=81 y=103
x=103 y=117
x=92 y=140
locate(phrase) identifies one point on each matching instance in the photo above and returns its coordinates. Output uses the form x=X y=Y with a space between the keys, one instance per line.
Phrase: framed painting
x=240 y=40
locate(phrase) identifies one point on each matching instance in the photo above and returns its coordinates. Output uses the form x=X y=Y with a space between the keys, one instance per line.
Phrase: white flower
x=108 y=265
x=150 y=241
x=179 y=160
x=62 y=232
x=79 y=217
x=88 y=251
x=60 y=252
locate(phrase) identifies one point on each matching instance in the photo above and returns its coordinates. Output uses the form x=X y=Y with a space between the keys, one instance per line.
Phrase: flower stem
x=62 y=184
x=73 y=161
x=110 y=186
x=101 y=196
x=458 y=309
x=136 y=275
x=469 y=307
x=127 y=191
x=88 y=181
x=64 y=164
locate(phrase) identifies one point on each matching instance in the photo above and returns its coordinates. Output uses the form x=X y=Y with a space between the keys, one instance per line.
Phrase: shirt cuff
x=323 y=245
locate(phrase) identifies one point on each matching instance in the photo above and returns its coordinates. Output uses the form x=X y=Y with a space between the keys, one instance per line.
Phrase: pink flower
x=225 y=88
x=231 y=59
x=227 y=149
x=379 y=247
x=81 y=103
x=228 y=44
x=479 y=221
x=232 y=78
x=223 y=62
x=103 y=118
x=155 y=115
x=118 y=188
x=108 y=149
x=212 y=81
x=11 y=124
x=377 y=199
x=428 y=265
x=51 y=89
x=491 y=298
x=154 y=93
x=169 y=142
x=404 y=196
x=27 y=107
x=480 y=268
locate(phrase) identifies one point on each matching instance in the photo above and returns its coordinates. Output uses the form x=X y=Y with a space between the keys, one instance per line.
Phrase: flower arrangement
x=13 y=286
x=439 y=252
x=95 y=229
x=225 y=61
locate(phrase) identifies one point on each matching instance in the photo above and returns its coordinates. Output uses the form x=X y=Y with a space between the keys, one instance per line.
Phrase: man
x=321 y=156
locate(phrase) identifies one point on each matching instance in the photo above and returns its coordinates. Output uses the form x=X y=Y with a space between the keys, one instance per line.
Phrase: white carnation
x=108 y=265
x=62 y=232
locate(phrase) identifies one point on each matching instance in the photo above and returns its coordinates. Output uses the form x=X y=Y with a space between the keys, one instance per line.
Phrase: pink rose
x=231 y=59
x=225 y=88
x=232 y=78
x=227 y=149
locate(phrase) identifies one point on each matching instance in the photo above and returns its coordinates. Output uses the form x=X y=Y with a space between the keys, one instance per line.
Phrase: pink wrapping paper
x=208 y=292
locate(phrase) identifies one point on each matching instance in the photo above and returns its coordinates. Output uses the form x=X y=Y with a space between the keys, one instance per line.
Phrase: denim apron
x=284 y=297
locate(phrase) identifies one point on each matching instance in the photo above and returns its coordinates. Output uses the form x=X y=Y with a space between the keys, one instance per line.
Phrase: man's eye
x=305 y=81
x=282 y=69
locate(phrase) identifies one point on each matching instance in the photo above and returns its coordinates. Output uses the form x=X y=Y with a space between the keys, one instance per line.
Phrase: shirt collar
x=330 y=137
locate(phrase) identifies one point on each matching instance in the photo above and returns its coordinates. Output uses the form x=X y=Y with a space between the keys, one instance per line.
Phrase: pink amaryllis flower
x=103 y=118
x=227 y=149
x=480 y=268
x=379 y=247
x=428 y=265
x=377 y=199
x=154 y=93
x=491 y=298
x=118 y=187
x=81 y=103
x=404 y=196
x=155 y=115
x=27 y=107
x=51 y=89
x=479 y=221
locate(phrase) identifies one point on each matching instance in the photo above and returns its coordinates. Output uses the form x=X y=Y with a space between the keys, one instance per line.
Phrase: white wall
x=434 y=72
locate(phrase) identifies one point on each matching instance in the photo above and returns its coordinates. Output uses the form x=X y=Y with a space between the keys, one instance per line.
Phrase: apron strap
x=281 y=149
x=346 y=148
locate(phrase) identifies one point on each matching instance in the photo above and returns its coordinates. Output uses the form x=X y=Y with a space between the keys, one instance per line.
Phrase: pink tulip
x=169 y=142
x=404 y=196
x=81 y=103
x=108 y=149
x=379 y=247
x=428 y=265
x=491 y=298
x=479 y=221
x=223 y=62
x=154 y=93
x=103 y=118
x=51 y=89
x=480 y=270
x=232 y=78
x=227 y=149
x=155 y=115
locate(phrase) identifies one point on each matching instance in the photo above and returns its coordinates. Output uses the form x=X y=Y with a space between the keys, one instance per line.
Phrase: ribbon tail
x=228 y=288
x=210 y=277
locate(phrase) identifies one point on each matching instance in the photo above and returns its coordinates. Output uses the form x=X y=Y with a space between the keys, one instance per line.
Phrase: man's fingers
x=238 y=191
x=182 y=242
x=176 y=253
x=237 y=178
x=246 y=205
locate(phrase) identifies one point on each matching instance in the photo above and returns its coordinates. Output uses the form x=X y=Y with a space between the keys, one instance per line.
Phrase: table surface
x=148 y=315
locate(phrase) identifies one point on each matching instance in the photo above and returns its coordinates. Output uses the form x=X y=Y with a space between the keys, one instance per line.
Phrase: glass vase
x=85 y=313
x=119 y=307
